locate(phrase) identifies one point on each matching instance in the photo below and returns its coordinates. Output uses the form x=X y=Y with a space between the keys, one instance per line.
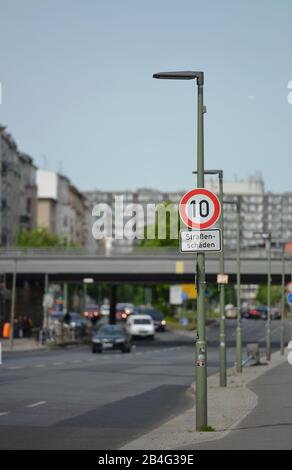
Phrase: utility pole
x=65 y=304
x=222 y=339
x=268 y=332
x=267 y=236
x=237 y=204
x=238 y=279
x=12 y=311
x=282 y=327
x=222 y=334
x=45 y=306
x=201 y=345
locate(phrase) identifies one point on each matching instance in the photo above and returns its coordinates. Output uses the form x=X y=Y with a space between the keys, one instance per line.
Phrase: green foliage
x=39 y=238
x=207 y=429
x=262 y=295
x=167 y=241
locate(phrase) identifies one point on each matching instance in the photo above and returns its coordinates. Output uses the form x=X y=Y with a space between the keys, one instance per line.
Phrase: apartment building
x=254 y=212
x=17 y=190
x=61 y=208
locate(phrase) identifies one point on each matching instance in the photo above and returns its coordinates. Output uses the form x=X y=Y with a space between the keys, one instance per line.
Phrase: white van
x=140 y=325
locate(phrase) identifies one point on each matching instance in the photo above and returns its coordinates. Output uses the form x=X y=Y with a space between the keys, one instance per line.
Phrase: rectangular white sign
x=193 y=241
x=175 y=295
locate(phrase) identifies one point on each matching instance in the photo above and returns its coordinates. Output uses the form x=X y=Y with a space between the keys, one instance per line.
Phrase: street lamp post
x=86 y=281
x=238 y=327
x=222 y=338
x=201 y=346
x=238 y=283
x=12 y=309
x=267 y=236
x=282 y=327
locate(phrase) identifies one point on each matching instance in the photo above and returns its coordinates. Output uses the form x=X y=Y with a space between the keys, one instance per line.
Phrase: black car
x=156 y=315
x=111 y=337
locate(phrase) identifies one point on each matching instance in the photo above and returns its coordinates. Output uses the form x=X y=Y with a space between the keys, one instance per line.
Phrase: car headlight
x=96 y=340
x=119 y=340
x=163 y=322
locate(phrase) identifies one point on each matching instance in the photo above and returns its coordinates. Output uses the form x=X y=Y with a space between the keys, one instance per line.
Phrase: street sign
x=193 y=241
x=48 y=300
x=190 y=291
x=289 y=287
x=199 y=208
x=289 y=298
x=222 y=278
x=175 y=295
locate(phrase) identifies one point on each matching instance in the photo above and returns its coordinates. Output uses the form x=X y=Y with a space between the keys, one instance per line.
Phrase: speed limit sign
x=199 y=208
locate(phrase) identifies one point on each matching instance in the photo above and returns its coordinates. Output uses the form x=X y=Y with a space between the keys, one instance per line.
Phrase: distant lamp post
x=201 y=345
x=282 y=327
x=267 y=236
x=86 y=281
x=222 y=339
x=238 y=282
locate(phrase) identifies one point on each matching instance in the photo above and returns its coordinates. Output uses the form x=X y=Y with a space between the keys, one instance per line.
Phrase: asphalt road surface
x=73 y=399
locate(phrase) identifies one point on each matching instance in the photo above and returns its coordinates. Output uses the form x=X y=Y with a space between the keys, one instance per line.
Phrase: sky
x=78 y=93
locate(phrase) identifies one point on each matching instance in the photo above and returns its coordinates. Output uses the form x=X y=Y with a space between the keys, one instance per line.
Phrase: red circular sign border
x=188 y=222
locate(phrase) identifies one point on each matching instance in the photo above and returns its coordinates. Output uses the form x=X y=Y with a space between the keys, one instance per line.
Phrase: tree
x=39 y=238
x=167 y=219
x=262 y=295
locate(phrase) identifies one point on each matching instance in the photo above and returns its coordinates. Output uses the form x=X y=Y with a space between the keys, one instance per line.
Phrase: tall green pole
x=65 y=300
x=12 y=311
x=84 y=296
x=268 y=329
x=282 y=328
x=45 y=311
x=222 y=338
x=238 y=281
x=201 y=346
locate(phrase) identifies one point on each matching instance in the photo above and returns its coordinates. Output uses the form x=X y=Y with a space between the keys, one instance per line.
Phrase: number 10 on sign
x=199 y=209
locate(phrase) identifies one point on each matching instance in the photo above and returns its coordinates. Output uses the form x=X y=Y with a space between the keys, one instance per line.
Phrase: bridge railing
x=141 y=252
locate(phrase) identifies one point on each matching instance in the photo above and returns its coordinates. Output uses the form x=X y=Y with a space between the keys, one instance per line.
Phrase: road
x=72 y=399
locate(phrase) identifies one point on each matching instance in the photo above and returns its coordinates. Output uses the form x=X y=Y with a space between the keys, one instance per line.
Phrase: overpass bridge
x=140 y=266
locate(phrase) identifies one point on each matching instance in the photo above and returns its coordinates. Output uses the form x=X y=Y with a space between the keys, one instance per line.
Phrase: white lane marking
x=272 y=333
x=14 y=367
x=4 y=413
x=39 y=403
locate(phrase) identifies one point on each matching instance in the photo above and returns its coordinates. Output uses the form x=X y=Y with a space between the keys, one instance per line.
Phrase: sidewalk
x=269 y=425
x=23 y=344
x=260 y=399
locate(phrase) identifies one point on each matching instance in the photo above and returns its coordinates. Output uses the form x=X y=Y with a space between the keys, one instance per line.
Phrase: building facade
x=61 y=208
x=260 y=211
x=17 y=190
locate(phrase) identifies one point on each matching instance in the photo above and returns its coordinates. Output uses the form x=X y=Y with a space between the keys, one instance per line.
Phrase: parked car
x=140 y=325
x=259 y=312
x=111 y=337
x=156 y=315
x=275 y=313
x=230 y=311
